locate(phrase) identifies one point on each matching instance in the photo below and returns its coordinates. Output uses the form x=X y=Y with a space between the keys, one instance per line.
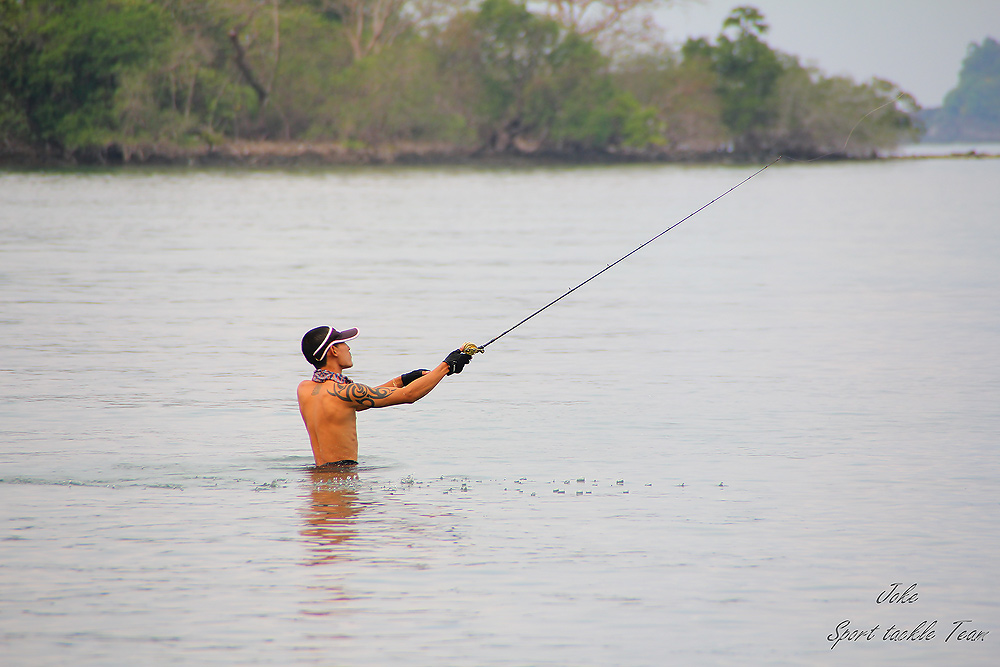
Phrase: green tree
x=512 y=49
x=770 y=104
x=977 y=96
x=683 y=94
x=234 y=69
x=748 y=71
x=536 y=85
x=64 y=61
x=580 y=108
x=399 y=94
x=834 y=116
x=303 y=71
x=192 y=90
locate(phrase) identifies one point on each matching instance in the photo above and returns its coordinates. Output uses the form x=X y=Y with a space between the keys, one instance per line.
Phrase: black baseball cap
x=317 y=342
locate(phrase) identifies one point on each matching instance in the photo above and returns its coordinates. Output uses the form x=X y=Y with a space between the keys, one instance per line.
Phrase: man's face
x=343 y=354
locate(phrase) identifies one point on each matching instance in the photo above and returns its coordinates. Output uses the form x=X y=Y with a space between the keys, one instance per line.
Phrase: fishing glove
x=456 y=361
x=407 y=378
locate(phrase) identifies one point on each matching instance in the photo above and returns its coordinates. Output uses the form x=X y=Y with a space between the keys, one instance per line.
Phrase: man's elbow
x=408 y=396
x=414 y=391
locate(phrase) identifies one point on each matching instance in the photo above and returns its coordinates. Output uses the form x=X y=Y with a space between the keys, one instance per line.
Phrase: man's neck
x=324 y=374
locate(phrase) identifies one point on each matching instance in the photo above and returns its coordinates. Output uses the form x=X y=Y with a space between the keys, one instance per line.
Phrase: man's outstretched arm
x=362 y=397
x=405 y=378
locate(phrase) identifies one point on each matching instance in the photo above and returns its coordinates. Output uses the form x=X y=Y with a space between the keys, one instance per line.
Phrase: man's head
x=317 y=342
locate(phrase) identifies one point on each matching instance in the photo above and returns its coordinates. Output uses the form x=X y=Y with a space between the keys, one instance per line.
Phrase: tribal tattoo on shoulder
x=359 y=394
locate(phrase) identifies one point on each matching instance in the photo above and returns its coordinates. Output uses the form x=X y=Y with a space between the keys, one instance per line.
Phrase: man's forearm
x=424 y=384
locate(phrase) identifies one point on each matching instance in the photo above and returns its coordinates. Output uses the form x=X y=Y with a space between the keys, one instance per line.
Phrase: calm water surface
x=715 y=453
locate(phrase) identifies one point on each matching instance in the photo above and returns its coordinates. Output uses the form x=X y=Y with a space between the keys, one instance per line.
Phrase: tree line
x=554 y=77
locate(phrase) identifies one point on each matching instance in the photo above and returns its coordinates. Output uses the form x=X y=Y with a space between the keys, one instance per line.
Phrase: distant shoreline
x=279 y=154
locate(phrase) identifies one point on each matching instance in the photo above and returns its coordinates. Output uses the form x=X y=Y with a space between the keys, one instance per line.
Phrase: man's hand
x=456 y=361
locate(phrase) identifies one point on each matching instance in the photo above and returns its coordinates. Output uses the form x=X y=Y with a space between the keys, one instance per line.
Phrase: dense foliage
x=972 y=110
x=768 y=103
x=140 y=75
x=978 y=91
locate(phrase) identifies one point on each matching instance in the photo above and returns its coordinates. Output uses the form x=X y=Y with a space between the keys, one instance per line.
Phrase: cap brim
x=345 y=335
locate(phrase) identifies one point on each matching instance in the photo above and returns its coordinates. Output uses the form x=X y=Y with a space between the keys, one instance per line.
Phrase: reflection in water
x=330 y=515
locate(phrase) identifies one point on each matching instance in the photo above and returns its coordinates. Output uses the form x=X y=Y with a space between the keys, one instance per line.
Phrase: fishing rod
x=472 y=348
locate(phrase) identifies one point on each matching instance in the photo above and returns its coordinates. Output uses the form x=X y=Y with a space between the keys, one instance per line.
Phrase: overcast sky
x=917 y=44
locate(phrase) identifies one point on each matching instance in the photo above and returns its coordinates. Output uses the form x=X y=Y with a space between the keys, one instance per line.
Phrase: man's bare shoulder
x=352 y=395
x=309 y=388
x=360 y=396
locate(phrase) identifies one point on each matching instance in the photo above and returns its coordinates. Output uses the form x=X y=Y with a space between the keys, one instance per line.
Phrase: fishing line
x=472 y=348
x=844 y=149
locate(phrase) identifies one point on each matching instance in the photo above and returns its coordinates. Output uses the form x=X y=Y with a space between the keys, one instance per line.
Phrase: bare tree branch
x=597 y=18
x=245 y=70
x=370 y=25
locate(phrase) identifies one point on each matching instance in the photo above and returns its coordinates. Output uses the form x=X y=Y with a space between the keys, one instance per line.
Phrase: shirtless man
x=330 y=402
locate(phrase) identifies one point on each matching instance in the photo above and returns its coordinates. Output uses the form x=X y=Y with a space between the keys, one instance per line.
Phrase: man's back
x=330 y=421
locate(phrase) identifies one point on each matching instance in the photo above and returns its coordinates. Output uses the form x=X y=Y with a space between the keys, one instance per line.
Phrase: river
x=717 y=452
